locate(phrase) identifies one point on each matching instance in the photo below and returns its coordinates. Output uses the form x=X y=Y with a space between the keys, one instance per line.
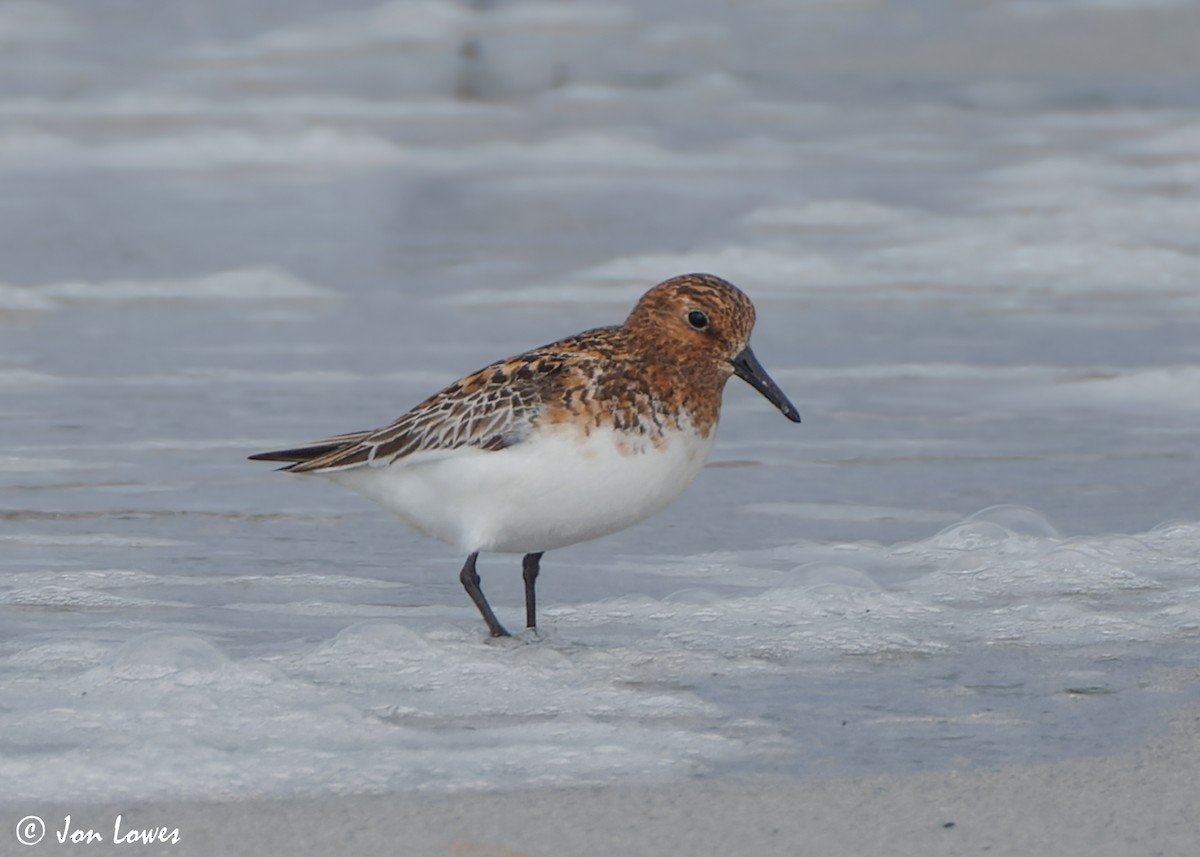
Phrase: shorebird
x=564 y=443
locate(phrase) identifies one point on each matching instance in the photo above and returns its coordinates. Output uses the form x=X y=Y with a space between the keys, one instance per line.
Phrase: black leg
x=470 y=581
x=531 y=564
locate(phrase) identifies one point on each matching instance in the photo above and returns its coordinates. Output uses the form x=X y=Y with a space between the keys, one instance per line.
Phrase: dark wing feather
x=490 y=410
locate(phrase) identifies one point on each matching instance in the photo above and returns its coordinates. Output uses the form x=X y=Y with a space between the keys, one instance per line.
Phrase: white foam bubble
x=611 y=688
x=245 y=284
x=1169 y=389
x=189 y=113
x=16 y=299
x=1182 y=141
x=91 y=578
x=59 y=597
x=178 y=658
x=112 y=540
x=624 y=280
x=318 y=147
x=998 y=261
x=71 y=656
x=310 y=608
x=848 y=512
x=1040 y=8
x=1017 y=519
x=24 y=379
x=399 y=25
x=830 y=575
x=559 y=18
x=271 y=283
x=1021 y=213
x=830 y=214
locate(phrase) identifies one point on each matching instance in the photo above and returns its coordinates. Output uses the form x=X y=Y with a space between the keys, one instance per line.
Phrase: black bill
x=747 y=367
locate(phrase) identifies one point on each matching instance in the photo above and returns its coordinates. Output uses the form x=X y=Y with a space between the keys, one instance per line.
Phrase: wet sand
x=1137 y=802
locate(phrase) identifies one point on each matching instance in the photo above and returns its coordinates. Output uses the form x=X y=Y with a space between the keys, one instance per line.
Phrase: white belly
x=562 y=488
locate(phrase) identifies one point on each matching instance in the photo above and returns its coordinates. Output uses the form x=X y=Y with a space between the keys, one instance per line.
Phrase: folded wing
x=493 y=409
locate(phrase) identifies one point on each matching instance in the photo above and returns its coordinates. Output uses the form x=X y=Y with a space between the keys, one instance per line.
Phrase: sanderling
x=570 y=441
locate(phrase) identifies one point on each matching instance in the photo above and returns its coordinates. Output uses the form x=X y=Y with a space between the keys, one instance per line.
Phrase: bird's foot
x=531 y=635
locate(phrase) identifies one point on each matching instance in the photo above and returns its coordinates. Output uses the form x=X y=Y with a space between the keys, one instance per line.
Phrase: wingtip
x=281 y=455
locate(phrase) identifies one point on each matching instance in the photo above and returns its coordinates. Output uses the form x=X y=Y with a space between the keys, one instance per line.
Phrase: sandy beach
x=1138 y=802
x=954 y=612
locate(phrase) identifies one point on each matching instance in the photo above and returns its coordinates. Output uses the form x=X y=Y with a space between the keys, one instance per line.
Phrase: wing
x=492 y=409
x=316 y=449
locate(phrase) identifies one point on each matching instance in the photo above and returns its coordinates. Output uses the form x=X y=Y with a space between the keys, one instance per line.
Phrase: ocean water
x=972 y=231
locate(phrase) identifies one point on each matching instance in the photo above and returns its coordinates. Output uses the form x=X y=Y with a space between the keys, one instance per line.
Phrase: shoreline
x=1139 y=801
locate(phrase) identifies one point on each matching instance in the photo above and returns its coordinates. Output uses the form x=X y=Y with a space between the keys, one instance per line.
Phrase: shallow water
x=230 y=226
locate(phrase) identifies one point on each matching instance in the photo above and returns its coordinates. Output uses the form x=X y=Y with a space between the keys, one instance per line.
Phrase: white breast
x=556 y=489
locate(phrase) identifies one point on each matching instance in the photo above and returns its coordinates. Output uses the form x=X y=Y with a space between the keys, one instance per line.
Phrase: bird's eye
x=697 y=319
